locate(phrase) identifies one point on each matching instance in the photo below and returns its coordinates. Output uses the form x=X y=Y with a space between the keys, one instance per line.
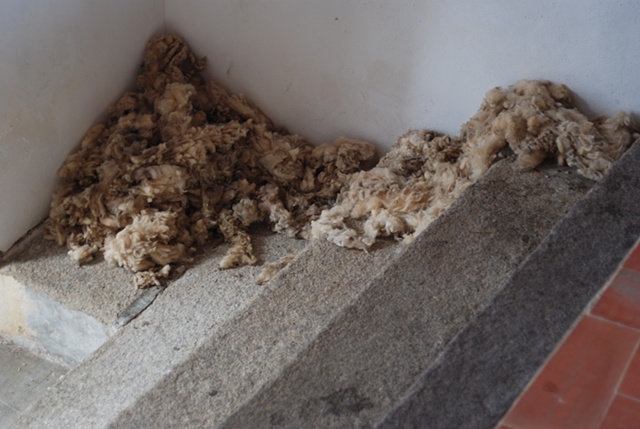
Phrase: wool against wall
x=180 y=158
x=425 y=172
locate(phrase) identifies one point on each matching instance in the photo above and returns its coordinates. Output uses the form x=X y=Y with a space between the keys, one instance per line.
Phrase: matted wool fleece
x=180 y=158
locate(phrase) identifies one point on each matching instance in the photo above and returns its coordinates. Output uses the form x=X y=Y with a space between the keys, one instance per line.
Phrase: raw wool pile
x=425 y=172
x=537 y=120
x=419 y=178
x=178 y=158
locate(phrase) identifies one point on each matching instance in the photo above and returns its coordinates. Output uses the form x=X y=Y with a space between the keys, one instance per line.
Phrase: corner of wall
x=61 y=65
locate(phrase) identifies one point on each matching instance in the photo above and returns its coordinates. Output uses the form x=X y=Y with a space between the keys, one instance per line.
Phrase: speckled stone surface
x=24 y=377
x=372 y=353
x=474 y=382
x=196 y=308
x=95 y=289
x=335 y=340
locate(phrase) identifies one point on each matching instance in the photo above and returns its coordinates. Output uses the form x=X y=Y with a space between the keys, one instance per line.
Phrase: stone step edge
x=514 y=335
x=409 y=314
x=321 y=247
x=274 y=284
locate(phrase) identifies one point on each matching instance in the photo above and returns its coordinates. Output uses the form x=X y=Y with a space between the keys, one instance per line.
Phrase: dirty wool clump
x=425 y=172
x=179 y=158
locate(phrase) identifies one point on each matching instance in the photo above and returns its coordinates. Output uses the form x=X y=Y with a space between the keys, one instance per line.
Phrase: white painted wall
x=370 y=69
x=61 y=64
x=375 y=68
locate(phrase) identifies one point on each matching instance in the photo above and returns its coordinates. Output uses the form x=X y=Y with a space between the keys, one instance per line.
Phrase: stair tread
x=321 y=335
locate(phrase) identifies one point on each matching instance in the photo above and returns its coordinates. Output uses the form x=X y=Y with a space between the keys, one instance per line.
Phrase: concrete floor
x=24 y=377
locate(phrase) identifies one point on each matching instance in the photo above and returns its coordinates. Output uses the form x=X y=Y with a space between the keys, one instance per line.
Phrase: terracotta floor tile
x=574 y=389
x=631 y=383
x=621 y=301
x=633 y=261
x=504 y=427
x=623 y=414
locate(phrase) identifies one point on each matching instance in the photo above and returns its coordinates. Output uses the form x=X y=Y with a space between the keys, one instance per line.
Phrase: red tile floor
x=592 y=380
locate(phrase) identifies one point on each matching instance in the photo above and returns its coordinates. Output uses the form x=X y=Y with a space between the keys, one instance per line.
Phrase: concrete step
x=207 y=306
x=337 y=339
x=202 y=299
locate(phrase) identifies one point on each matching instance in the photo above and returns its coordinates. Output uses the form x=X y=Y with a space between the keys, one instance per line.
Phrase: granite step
x=338 y=338
x=371 y=355
x=482 y=371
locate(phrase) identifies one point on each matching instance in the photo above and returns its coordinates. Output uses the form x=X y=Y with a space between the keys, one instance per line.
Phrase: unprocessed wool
x=180 y=158
x=425 y=172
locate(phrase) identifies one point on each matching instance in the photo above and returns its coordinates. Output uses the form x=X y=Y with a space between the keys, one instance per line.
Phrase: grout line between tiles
x=626 y=369
x=632 y=271
x=631 y=274
x=604 y=319
x=632 y=398
x=616 y=390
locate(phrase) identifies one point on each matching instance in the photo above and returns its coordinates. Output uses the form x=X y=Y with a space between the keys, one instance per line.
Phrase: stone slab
x=331 y=333
x=24 y=377
x=137 y=357
x=371 y=354
x=479 y=375
x=250 y=352
x=95 y=289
